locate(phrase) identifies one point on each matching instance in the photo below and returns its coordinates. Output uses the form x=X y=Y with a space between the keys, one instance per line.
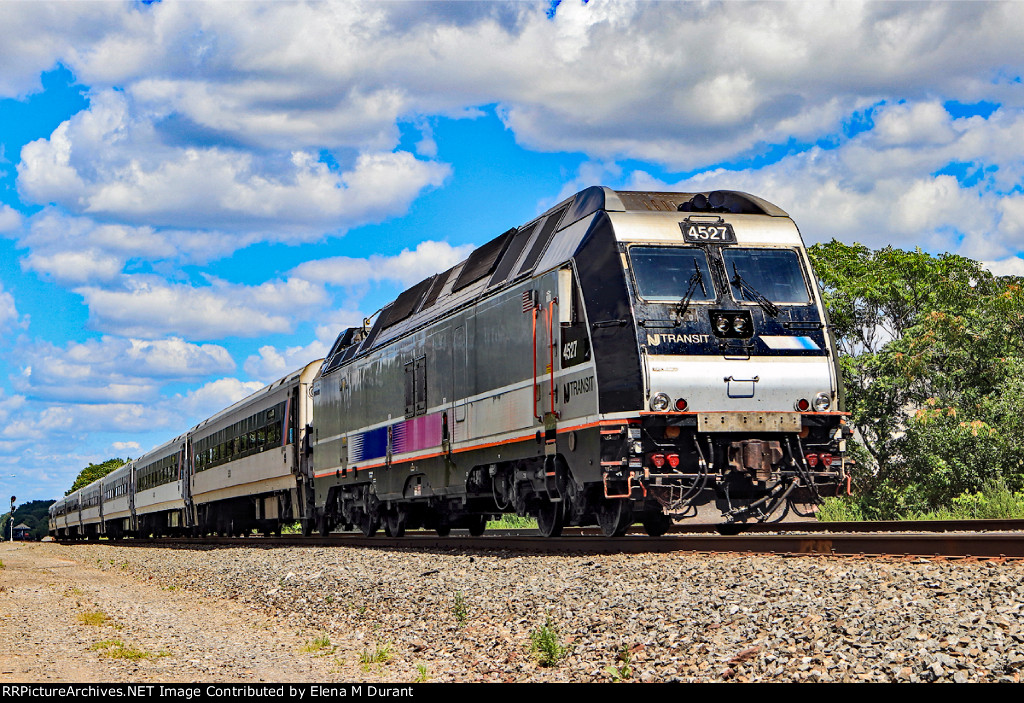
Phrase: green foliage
x=459 y=609
x=381 y=654
x=93 y=472
x=97 y=617
x=511 y=521
x=421 y=674
x=116 y=649
x=545 y=645
x=841 y=509
x=622 y=670
x=932 y=356
x=319 y=644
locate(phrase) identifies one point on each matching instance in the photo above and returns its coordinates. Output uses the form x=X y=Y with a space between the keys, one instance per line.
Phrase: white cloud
x=271 y=363
x=64 y=420
x=8 y=312
x=145 y=306
x=109 y=162
x=126 y=448
x=876 y=189
x=10 y=219
x=214 y=396
x=112 y=369
x=623 y=79
x=407 y=267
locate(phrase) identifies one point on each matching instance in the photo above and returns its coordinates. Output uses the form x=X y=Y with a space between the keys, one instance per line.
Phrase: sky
x=196 y=198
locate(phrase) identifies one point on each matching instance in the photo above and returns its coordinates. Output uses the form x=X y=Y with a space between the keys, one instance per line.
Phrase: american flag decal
x=529 y=300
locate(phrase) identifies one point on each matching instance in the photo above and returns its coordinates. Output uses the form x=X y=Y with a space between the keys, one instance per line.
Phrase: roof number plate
x=707 y=233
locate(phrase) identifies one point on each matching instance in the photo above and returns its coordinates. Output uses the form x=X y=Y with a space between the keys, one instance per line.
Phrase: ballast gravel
x=454 y=616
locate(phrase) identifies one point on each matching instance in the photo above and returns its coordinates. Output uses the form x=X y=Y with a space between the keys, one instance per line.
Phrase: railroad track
x=979 y=539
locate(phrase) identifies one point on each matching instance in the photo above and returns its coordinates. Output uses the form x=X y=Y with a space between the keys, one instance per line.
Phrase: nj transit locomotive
x=625 y=357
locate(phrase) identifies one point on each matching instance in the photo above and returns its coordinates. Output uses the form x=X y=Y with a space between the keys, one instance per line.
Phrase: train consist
x=625 y=357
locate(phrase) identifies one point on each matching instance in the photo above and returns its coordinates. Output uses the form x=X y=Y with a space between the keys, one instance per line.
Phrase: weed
x=839 y=509
x=318 y=644
x=2 y=564
x=621 y=671
x=459 y=609
x=329 y=600
x=544 y=644
x=97 y=617
x=421 y=674
x=72 y=591
x=509 y=521
x=116 y=649
x=380 y=655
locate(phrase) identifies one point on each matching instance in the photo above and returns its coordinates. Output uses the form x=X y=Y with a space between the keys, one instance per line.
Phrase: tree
x=929 y=347
x=93 y=472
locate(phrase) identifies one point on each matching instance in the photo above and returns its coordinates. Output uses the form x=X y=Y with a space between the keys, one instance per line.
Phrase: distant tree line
x=35 y=514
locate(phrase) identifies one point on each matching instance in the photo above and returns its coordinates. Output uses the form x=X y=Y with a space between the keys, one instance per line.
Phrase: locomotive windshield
x=666 y=273
x=774 y=273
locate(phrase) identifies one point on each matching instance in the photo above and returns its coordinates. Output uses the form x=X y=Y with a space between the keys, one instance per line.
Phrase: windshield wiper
x=751 y=293
x=697 y=278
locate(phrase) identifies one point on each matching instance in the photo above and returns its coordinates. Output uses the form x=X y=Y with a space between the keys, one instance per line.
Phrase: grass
x=421 y=674
x=116 y=649
x=460 y=610
x=2 y=564
x=994 y=502
x=544 y=645
x=319 y=644
x=380 y=655
x=622 y=669
x=511 y=521
x=97 y=617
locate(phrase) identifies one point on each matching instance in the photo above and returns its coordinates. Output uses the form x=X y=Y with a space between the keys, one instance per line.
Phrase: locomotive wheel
x=394 y=522
x=550 y=518
x=368 y=525
x=477 y=524
x=656 y=524
x=614 y=517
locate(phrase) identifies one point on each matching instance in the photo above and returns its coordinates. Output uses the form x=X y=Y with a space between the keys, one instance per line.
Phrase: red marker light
x=812 y=460
x=658 y=460
x=673 y=460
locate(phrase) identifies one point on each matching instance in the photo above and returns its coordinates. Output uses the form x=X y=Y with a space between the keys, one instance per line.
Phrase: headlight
x=722 y=324
x=660 y=402
x=822 y=402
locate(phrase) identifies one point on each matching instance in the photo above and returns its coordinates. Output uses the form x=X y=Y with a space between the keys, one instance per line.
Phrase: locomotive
x=624 y=357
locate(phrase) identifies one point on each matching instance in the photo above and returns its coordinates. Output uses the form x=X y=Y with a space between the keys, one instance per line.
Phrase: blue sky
x=195 y=198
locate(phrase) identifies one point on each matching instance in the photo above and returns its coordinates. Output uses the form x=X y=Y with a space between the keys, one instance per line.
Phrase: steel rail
x=899 y=542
